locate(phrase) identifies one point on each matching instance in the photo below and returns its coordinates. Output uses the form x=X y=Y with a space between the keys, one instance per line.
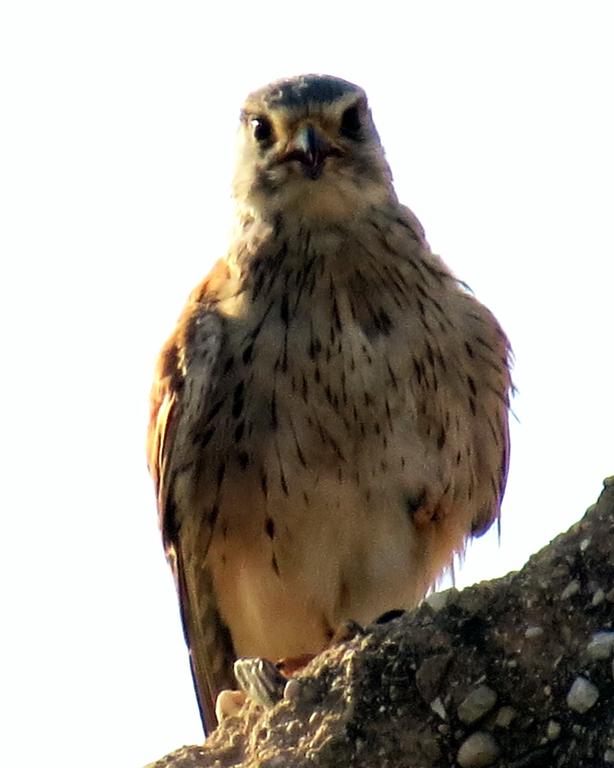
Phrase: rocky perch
x=513 y=673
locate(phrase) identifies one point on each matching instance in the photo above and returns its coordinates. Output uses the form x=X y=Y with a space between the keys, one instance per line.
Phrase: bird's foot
x=260 y=680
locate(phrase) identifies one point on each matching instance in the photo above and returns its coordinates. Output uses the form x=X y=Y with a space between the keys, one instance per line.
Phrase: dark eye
x=262 y=128
x=350 y=123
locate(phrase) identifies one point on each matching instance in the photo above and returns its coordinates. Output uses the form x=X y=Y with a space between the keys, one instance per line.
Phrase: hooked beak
x=311 y=150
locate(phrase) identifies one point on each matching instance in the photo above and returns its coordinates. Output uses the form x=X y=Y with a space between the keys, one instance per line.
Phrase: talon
x=395 y=613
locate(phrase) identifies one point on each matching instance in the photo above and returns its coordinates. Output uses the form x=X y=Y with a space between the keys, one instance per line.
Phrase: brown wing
x=180 y=400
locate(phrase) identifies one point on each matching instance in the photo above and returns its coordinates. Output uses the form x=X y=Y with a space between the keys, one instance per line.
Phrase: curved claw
x=390 y=616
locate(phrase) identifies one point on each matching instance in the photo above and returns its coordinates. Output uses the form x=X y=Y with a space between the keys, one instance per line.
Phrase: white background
x=116 y=147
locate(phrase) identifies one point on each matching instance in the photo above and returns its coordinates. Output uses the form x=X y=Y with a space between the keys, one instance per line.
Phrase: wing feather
x=185 y=379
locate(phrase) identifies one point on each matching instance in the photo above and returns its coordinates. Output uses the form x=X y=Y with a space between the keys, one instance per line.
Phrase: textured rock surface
x=392 y=696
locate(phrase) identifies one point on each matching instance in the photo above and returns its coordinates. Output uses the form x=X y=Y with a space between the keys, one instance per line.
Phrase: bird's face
x=308 y=148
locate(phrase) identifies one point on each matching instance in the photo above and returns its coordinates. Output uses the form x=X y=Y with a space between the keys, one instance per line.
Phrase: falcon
x=329 y=418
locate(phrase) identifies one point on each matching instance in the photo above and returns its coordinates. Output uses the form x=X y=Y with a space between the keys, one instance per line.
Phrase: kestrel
x=329 y=419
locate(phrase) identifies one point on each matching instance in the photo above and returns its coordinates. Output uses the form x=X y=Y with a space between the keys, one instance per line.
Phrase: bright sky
x=116 y=147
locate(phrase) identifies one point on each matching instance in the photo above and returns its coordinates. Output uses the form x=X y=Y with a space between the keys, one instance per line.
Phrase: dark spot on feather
x=393 y=378
x=214 y=410
x=274 y=422
x=247 y=353
x=243 y=458
x=315 y=347
x=336 y=317
x=274 y=565
x=417 y=370
x=441 y=438
x=283 y=310
x=485 y=344
x=203 y=440
x=228 y=364
x=414 y=502
x=213 y=514
x=240 y=428
x=264 y=483
x=269 y=527
x=237 y=400
x=437 y=304
x=429 y=354
x=379 y=324
x=300 y=455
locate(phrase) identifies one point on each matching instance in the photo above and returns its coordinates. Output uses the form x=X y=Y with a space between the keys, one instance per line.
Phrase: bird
x=330 y=416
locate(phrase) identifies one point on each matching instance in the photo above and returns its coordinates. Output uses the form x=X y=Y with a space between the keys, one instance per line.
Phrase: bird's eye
x=262 y=128
x=350 y=123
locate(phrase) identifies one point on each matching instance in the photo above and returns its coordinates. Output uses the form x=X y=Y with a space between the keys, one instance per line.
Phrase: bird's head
x=308 y=148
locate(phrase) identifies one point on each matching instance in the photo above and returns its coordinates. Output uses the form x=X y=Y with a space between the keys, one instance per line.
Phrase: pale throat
x=329 y=201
